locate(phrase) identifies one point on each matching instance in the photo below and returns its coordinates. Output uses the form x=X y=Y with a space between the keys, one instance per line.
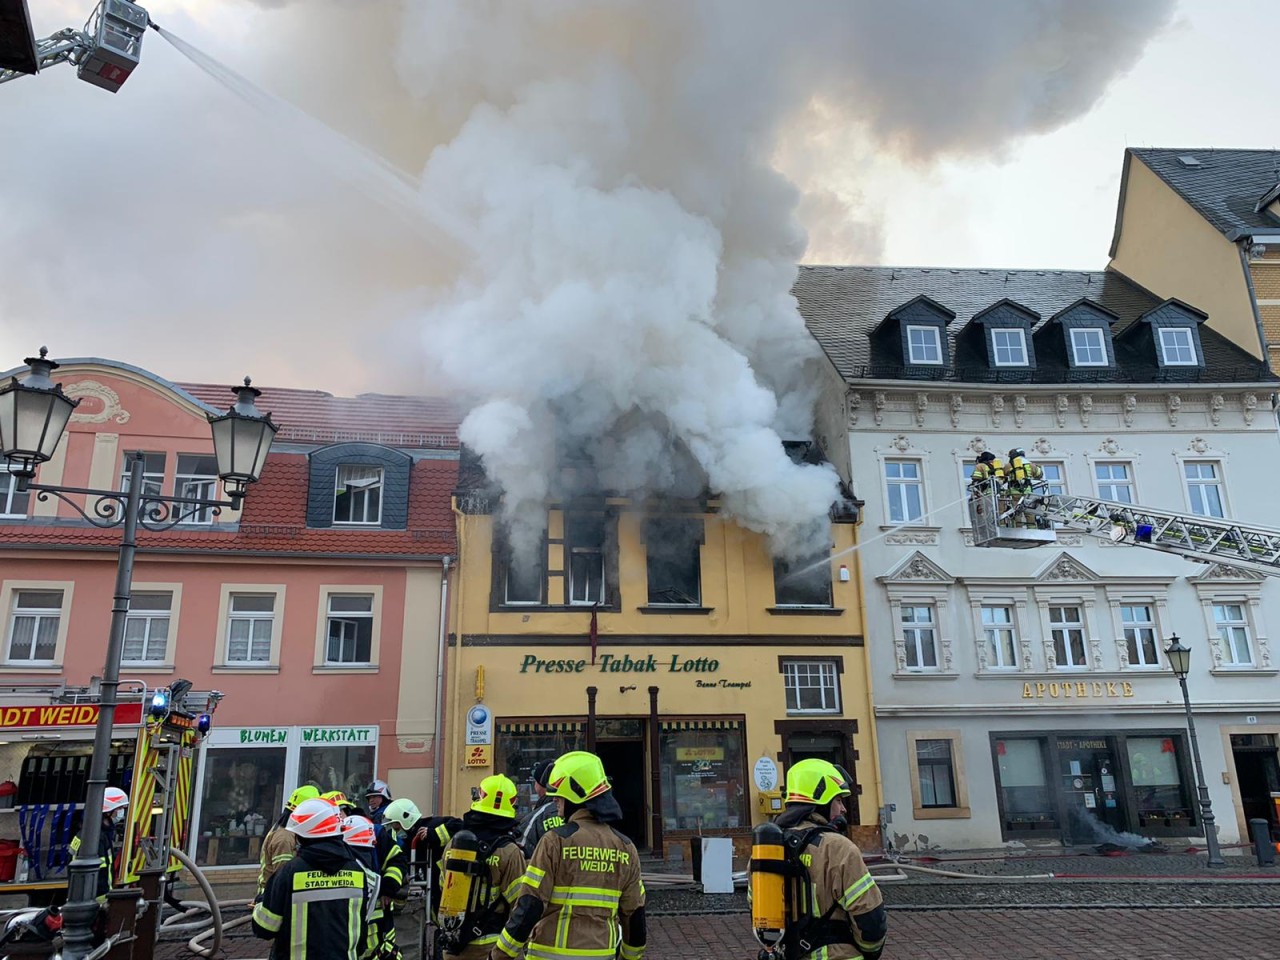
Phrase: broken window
x=674 y=560
x=584 y=544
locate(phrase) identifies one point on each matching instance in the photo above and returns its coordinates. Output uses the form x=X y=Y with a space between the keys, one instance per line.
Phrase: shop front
x=246 y=773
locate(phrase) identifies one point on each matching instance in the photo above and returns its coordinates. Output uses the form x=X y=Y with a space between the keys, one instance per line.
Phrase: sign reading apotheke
x=610 y=663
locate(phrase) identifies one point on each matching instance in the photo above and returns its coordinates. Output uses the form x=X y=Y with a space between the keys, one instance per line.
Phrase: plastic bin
x=8 y=859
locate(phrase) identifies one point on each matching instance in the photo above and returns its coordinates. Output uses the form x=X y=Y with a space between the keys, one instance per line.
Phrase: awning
x=701 y=725
x=550 y=726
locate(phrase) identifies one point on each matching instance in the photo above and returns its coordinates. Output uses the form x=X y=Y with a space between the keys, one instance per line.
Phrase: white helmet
x=403 y=813
x=358 y=831
x=379 y=788
x=315 y=820
x=113 y=799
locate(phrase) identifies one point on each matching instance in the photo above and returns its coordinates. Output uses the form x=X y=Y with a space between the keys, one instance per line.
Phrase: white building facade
x=1023 y=696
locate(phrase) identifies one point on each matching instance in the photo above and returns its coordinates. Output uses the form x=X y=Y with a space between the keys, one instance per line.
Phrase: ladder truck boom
x=1001 y=519
x=104 y=53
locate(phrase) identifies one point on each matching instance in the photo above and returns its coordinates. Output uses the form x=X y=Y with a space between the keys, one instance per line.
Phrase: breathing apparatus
x=462 y=866
x=769 y=870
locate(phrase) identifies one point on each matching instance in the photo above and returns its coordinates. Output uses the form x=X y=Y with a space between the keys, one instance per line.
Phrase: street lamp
x=1180 y=662
x=33 y=415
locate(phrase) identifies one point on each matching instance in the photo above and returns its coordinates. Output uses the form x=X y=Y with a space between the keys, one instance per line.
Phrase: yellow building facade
x=709 y=674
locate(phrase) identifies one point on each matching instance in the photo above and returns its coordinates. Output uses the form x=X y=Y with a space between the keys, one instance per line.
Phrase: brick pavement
x=1078 y=934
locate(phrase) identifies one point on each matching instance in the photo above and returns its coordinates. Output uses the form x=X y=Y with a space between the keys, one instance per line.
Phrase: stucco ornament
x=977 y=445
x=1249 y=403
x=1042 y=446
x=1109 y=446
x=922 y=407
x=107 y=405
x=877 y=402
x=997 y=408
x=855 y=404
x=1064 y=568
x=1060 y=404
x=1019 y=409
x=957 y=405
x=1086 y=409
x=1198 y=445
x=1129 y=407
x=1215 y=409
x=919 y=569
x=900 y=443
x=1174 y=404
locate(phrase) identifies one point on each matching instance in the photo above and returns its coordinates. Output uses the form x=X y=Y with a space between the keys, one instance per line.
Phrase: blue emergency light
x=1143 y=533
x=159 y=704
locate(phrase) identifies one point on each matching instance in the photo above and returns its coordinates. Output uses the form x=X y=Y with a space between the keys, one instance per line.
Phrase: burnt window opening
x=802 y=583
x=673 y=561
x=519 y=576
x=523 y=582
x=585 y=547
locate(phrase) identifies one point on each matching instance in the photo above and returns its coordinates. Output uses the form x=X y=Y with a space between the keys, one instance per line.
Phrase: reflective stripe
x=442 y=833
x=394 y=873
x=536 y=951
x=298 y=933
x=632 y=953
x=507 y=944
x=486 y=939
x=509 y=894
x=856 y=890
x=266 y=919
x=606 y=900
x=331 y=893
x=533 y=876
x=562 y=926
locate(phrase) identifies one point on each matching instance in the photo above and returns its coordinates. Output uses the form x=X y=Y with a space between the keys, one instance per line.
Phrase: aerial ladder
x=1000 y=518
x=104 y=53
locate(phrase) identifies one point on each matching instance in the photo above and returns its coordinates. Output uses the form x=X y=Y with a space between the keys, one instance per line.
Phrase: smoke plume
x=639 y=174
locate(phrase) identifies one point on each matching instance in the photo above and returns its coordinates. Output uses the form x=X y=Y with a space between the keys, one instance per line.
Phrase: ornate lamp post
x=1180 y=661
x=34 y=412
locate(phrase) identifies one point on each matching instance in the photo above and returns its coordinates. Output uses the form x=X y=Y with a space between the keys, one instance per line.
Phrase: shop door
x=1087 y=774
x=1258 y=774
x=624 y=763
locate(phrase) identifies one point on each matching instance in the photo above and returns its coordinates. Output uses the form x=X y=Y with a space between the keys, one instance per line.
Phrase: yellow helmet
x=497 y=796
x=305 y=792
x=816 y=781
x=338 y=799
x=578 y=776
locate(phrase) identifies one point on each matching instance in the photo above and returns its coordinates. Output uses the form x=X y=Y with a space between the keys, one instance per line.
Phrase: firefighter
x=358 y=834
x=279 y=845
x=115 y=803
x=582 y=887
x=376 y=799
x=988 y=474
x=316 y=906
x=1022 y=474
x=545 y=816
x=423 y=839
x=491 y=820
x=842 y=916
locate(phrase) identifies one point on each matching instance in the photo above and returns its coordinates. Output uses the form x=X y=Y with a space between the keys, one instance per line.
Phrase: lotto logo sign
x=479 y=756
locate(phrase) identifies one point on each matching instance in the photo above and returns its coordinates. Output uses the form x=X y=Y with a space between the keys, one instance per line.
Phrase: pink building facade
x=315 y=609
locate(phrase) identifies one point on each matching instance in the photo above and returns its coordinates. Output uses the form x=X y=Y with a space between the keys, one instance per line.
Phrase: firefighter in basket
x=987 y=476
x=812 y=897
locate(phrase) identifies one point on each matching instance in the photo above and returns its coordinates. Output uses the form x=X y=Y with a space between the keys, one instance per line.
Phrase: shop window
x=904 y=489
x=924 y=345
x=673 y=561
x=522 y=746
x=1067 y=630
x=357 y=496
x=1233 y=632
x=349 y=631
x=936 y=772
x=243 y=795
x=812 y=686
x=703 y=782
x=13 y=502
x=1140 y=636
x=1162 y=799
x=802 y=583
x=33 y=626
x=146 y=628
x=584 y=546
x=152 y=473
x=1204 y=488
x=250 y=625
x=919 y=635
x=197 y=479
x=1115 y=481
x=1001 y=637
x=1026 y=802
x=349 y=769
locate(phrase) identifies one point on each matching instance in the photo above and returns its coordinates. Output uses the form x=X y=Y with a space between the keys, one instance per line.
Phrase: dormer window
x=924 y=345
x=1009 y=347
x=357 y=497
x=1177 y=348
x=1088 y=347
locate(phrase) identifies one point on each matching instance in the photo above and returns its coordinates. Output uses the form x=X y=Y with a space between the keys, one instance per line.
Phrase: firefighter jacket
x=846 y=912
x=426 y=841
x=392 y=863
x=544 y=818
x=316 y=906
x=278 y=848
x=581 y=896
x=506 y=864
x=987 y=476
x=106 y=854
x=1021 y=473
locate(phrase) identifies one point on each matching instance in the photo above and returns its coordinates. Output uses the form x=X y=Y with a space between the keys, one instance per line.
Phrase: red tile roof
x=274 y=522
x=313 y=416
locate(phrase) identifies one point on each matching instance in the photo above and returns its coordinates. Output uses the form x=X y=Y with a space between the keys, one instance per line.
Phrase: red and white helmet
x=113 y=799
x=358 y=831
x=315 y=820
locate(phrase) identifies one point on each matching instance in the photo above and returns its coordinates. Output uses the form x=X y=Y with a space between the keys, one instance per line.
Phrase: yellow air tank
x=768 y=885
x=456 y=879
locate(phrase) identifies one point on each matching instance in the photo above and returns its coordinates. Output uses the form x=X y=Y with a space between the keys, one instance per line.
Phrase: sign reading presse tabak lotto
x=611 y=663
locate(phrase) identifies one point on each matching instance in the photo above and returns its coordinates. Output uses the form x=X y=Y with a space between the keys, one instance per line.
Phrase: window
x=1140 y=636
x=1055 y=479
x=673 y=561
x=1088 y=348
x=241 y=784
x=13 y=502
x=584 y=536
x=1115 y=482
x=357 y=495
x=249 y=627
x=523 y=581
x=1233 y=631
x=905 y=490
x=1177 y=349
x=146 y=628
x=1002 y=638
x=918 y=633
x=1067 y=630
x=350 y=629
x=152 y=473
x=802 y=583
x=197 y=478
x=1026 y=801
x=1009 y=347
x=1204 y=488
x=924 y=345
x=937 y=774
x=703 y=781
x=812 y=686
x=1157 y=783
x=33 y=628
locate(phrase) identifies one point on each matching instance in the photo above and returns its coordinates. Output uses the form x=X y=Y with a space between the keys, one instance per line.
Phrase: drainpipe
x=1242 y=246
x=438 y=748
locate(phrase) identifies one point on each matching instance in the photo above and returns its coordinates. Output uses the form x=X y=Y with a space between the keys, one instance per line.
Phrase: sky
x=109 y=202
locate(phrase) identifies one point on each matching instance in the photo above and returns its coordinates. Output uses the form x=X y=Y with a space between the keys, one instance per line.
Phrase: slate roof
x=274 y=522
x=314 y=416
x=1224 y=186
x=842 y=305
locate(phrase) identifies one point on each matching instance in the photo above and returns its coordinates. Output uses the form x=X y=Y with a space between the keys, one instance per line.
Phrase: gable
x=917 y=568
x=1065 y=567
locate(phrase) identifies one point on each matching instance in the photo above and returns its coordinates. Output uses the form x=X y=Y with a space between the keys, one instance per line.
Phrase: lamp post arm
x=154 y=511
